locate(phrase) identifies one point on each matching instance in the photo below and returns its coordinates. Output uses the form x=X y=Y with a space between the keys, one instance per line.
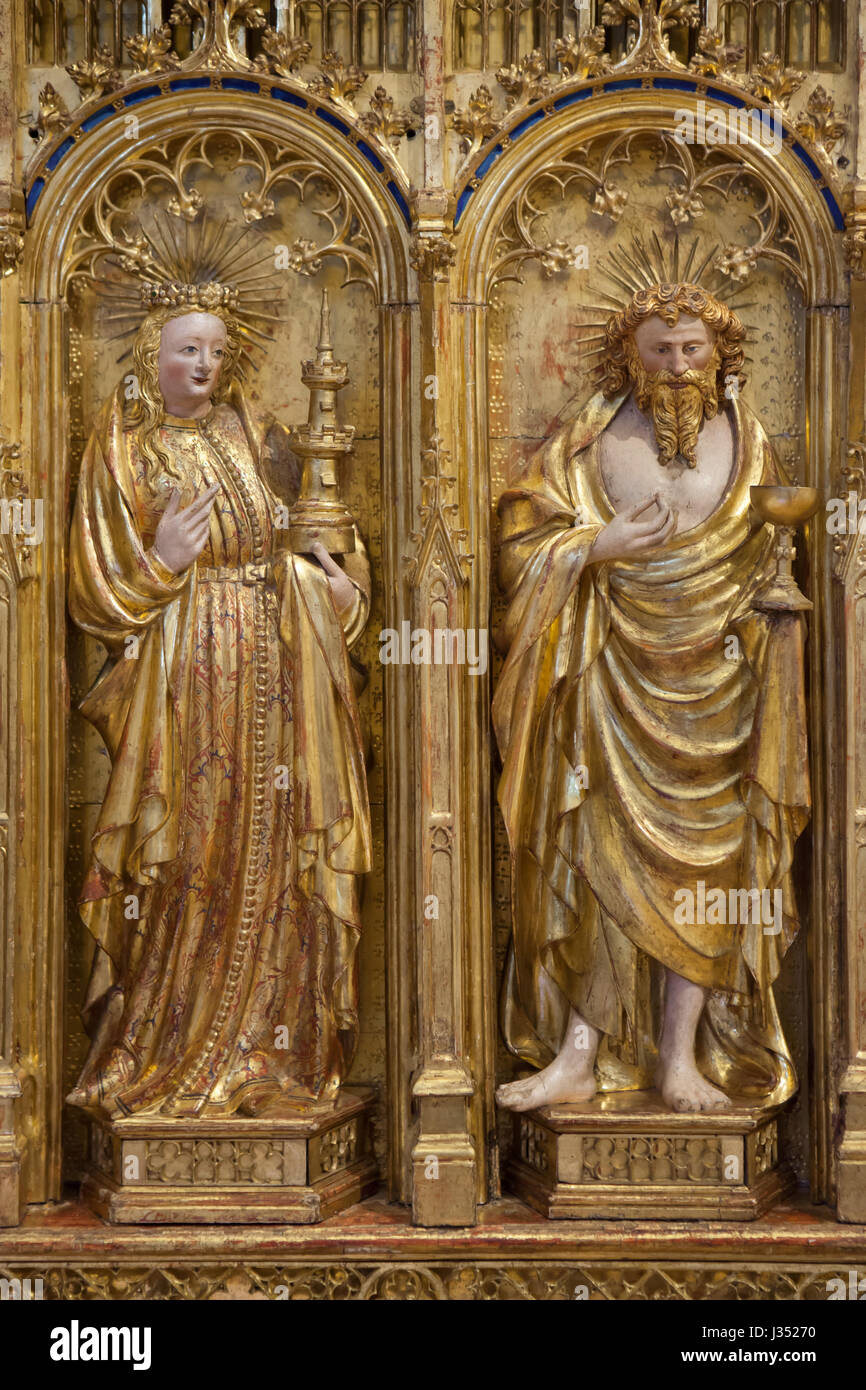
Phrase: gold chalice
x=786 y=508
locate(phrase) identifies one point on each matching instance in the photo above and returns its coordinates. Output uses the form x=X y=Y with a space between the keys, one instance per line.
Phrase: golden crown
x=209 y=265
x=173 y=295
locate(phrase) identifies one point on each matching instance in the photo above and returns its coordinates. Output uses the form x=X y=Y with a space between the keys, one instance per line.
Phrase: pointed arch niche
x=364 y=264
x=599 y=167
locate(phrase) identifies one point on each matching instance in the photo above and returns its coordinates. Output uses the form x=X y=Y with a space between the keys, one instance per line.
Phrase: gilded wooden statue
x=652 y=725
x=223 y=889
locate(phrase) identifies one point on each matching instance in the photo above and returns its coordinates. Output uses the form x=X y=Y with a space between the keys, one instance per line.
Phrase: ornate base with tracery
x=626 y=1156
x=161 y=1171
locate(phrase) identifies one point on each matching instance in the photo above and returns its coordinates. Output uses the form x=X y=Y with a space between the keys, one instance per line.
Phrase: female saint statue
x=223 y=886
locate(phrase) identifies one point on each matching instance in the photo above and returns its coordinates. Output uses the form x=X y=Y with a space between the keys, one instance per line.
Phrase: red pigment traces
x=550 y=363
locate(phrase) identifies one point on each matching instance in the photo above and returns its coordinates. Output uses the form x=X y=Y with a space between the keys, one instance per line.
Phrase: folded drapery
x=647 y=757
x=223 y=887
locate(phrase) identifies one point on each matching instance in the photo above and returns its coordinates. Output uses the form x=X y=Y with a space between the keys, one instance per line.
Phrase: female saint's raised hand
x=182 y=533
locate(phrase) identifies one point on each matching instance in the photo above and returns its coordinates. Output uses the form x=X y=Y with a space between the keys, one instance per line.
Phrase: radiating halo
x=168 y=250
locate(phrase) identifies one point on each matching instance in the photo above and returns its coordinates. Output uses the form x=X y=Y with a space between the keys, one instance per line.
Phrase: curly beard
x=677 y=412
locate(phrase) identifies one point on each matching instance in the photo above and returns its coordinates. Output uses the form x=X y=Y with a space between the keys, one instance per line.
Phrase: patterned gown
x=235 y=983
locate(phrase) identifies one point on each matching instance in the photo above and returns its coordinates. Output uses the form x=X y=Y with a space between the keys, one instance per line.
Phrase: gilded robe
x=645 y=753
x=223 y=891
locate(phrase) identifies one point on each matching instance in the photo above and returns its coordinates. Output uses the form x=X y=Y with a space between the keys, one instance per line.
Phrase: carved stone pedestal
x=159 y=1170
x=626 y=1156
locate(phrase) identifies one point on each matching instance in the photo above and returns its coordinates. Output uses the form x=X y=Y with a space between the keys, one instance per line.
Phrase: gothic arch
x=800 y=191
x=509 y=163
x=64 y=180
x=62 y=184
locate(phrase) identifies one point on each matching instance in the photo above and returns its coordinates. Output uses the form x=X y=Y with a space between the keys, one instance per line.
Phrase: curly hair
x=668 y=302
x=146 y=412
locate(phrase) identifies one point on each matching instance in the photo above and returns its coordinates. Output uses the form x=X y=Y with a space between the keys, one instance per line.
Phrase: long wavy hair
x=668 y=302
x=146 y=412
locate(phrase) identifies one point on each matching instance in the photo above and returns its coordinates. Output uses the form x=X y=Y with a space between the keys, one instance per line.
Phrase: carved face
x=191 y=352
x=688 y=346
x=675 y=373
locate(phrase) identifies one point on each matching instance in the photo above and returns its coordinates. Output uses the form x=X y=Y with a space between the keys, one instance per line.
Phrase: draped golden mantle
x=645 y=753
x=236 y=818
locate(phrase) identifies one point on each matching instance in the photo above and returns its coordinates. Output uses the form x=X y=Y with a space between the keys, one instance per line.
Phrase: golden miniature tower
x=319 y=514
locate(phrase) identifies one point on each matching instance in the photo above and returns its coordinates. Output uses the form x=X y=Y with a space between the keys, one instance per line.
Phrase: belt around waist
x=254 y=572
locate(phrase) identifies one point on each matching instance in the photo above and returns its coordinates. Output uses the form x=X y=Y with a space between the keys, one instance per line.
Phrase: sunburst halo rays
x=164 y=250
x=641 y=265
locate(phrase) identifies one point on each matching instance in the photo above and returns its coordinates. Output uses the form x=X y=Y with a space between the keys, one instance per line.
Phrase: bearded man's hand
x=634 y=532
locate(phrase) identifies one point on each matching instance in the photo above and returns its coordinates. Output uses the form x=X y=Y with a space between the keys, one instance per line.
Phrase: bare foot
x=684 y=1089
x=558 y=1084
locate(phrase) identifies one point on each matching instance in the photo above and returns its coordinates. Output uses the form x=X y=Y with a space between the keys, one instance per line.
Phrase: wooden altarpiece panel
x=537 y=217
x=289 y=164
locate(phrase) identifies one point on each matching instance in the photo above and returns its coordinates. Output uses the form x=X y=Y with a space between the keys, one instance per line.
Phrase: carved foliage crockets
x=439 y=542
x=532 y=81
x=282 y=55
x=20 y=514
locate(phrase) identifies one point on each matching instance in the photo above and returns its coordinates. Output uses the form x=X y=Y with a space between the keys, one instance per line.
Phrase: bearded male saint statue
x=236 y=821
x=652 y=728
